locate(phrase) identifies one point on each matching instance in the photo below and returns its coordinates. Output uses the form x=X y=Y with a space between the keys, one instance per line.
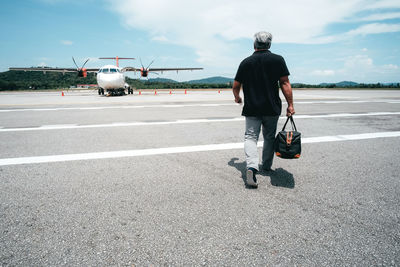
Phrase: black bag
x=288 y=143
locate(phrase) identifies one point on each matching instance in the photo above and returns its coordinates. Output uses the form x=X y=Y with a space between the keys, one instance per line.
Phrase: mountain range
x=211 y=80
x=225 y=80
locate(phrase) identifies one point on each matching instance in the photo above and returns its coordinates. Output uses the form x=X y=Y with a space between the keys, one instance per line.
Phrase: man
x=259 y=76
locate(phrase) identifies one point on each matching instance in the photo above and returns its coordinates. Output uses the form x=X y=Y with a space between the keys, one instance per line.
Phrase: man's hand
x=238 y=100
x=290 y=111
x=236 y=91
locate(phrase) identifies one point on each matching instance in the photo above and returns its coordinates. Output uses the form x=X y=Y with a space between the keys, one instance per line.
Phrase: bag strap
x=291 y=122
x=284 y=126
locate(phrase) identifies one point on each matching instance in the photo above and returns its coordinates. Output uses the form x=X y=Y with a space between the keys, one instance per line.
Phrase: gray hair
x=262 y=40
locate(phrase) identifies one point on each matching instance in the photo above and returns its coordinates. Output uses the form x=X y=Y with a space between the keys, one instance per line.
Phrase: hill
x=162 y=80
x=340 y=84
x=212 y=80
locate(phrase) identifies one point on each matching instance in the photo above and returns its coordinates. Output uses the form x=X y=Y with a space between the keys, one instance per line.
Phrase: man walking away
x=260 y=75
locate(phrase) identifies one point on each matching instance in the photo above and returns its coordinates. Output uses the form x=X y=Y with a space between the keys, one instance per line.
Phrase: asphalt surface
x=339 y=204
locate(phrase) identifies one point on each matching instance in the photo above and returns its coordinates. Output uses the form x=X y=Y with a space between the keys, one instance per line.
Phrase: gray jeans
x=253 y=126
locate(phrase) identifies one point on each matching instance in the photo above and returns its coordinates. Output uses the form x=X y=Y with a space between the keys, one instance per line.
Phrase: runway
x=158 y=179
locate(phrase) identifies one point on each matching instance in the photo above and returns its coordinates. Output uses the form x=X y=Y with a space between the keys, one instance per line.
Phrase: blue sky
x=321 y=40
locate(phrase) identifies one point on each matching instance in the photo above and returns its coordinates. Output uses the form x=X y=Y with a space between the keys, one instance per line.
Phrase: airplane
x=110 y=78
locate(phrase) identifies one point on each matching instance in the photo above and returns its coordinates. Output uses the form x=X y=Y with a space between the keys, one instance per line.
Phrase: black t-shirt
x=259 y=75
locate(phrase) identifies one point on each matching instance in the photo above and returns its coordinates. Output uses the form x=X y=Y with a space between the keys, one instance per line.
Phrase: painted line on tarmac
x=154 y=123
x=121 y=107
x=178 y=150
x=116 y=124
x=338 y=115
x=394 y=101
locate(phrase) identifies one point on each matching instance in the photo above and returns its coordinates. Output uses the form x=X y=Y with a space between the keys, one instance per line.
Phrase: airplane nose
x=110 y=81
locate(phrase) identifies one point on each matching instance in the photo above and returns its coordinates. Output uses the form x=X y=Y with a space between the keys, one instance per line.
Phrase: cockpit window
x=107 y=70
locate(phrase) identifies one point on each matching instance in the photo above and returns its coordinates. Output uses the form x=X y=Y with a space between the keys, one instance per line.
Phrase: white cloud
x=66 y=42
x=381 y=16
x=361 y=68
x=358 y=62
x=91 y=59
x=42 y=64
x=382 y=4
x=42 y=59
x=160 y=38
x=209 y=27
x=390 y=67
x=212 y=27
x=323 y=72
x=358 y=68
x=374 y=28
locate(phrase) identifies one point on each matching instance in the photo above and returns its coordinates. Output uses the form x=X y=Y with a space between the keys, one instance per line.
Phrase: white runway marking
x=338 y=115
x=120 y=107
x=393 y=101
x=185 y=149
x=152 y=123
x=389 y=101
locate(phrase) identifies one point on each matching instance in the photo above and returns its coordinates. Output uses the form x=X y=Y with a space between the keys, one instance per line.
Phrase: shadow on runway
x=279 y=177
x=240 y=166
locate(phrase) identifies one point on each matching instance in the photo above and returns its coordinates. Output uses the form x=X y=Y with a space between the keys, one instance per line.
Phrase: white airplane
x=110 y=78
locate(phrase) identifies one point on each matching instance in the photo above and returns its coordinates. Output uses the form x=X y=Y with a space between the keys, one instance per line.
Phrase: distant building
x=86 y=86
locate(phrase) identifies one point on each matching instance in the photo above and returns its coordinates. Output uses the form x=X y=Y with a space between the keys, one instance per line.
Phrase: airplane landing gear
x=116 y=92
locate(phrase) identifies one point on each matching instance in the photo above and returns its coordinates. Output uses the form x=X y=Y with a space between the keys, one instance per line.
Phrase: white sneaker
x=251 y=180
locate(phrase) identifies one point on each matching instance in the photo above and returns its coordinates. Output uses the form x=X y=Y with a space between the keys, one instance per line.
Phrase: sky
x=320 y=40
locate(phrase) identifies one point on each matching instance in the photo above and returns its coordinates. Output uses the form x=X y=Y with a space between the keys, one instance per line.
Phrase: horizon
x=352 y=41
x=214 y=77
x=204 y=80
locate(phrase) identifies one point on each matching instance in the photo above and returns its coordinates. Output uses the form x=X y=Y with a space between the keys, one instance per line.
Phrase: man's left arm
x=236 y=91
x=287 y=92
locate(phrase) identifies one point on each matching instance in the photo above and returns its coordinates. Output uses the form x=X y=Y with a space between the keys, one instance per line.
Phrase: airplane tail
x=117 y=59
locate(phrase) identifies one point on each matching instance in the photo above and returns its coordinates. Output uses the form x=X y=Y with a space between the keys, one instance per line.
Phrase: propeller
x=150 y=64
x=81 y=71
x=73 y=59
x=145 y=70
x=141 y=63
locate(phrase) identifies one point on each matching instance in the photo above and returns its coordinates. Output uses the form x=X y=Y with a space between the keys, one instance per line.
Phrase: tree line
x=20 y=80
x=359 y=85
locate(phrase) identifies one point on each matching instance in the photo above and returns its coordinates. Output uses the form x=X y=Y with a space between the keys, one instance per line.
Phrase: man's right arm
x=287 y=92
x=236 y=91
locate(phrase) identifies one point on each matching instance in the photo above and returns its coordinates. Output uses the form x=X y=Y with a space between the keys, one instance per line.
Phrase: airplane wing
x=64 y=70
x=159 y=69
x=172 y=69
x=130 y=69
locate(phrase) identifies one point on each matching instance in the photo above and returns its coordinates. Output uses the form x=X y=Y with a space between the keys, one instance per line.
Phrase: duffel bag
x=288 y=143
